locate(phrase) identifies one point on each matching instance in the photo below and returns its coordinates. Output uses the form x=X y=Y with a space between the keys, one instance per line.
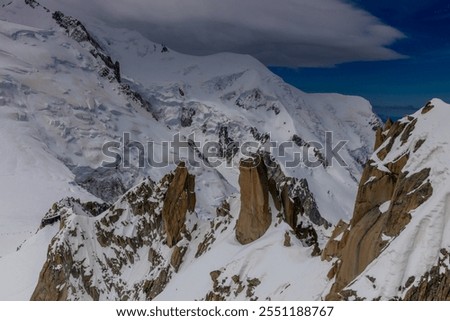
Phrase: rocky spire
x=254 y=217
x=180 y=198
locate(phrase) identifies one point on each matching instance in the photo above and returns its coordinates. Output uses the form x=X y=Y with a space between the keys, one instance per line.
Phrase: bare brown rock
x=254 y=217
x=179 y=199
x=362 y=241
x=409 y=194
x=205 y=244
x=287 y=240
x=379 y=139
x=219 y=292
x=375 y=188
x=390 y=133
x=155 y=286
x=54 y=285
x=334 y=247
x=49 y=278
x=388 y=124
x=154 y=257
x=292 y=198
x=429 y=106
x=434 y=285
x=408 y=130
x=291 y=208
x=177 y=257
x=251 y=286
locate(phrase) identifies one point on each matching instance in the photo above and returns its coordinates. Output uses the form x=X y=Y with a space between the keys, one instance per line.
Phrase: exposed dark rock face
x=50 y=278
x=32 y=3
x=105 y=183
x=186 y=116
x=136 y=97
x=219 y=292
x=260 y=137
x=255 y=99
x=111 y=69
x=300 y=142
x=292 y=196
x=297 y=199
x=77 y=31
x=228 y=148
x=365 y=238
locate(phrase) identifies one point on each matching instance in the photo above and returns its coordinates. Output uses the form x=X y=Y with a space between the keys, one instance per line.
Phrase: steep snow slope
x=32 y=177
x=61 y=100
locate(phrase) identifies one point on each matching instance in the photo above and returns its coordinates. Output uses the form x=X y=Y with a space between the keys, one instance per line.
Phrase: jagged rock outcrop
x=255 y=99
x=108 y=68
x=291 y=196
x=60 y=208
x=297 y=199
x=254 y=217
x=77 y=31
x=180 y=198
x=287 y=240
x=300 y=142
x=334 y=246
x=226 y=288
x=89 y=255
x=47 y=288
x=186 y=116
x=386 y=197
x=177 y=257
x=434 y=285
x=54 y=279
x=228 y=148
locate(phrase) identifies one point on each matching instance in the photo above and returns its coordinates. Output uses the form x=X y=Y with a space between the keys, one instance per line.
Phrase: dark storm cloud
x=283 y=32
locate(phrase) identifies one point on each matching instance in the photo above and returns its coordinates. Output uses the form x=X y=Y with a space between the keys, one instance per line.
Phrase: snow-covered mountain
x=252 y=228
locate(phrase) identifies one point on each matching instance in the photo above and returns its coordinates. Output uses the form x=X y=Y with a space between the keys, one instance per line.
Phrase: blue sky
x=410 y=81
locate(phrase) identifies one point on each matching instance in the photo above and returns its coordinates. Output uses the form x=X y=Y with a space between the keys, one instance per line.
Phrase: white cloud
x=283 y=32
